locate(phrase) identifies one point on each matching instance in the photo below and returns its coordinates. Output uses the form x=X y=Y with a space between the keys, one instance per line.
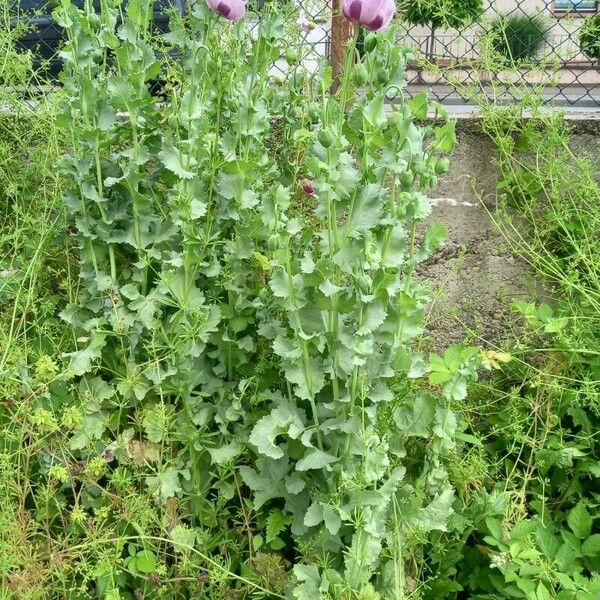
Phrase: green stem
x=305 y=353
x=346 y=77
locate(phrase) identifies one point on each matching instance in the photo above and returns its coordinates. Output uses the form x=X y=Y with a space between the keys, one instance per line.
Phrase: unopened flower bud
x=308 y=187
x=360 y=74
x=325 y=138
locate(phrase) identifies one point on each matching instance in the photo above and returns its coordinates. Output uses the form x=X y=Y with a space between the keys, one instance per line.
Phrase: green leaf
x=374 y=113
x=310 y=582
x=436 y=233
x=309 y=379
x=286 y=348
x=445 y=137
x=542 y=592
x=366 y=211
x=81 y=361
x=184 y=538
x=416 y=418
x=167 y=483
x=435 y=515
x=580 y=521
x=267 y=481
x=315 y=459
x=156 y=422
x=314 y=515
x=287 y=419
x=328 y=289
x=374 y=315
x=225 y=454
x=230 y=183
x=176 y=161
x=418 y=106
x=361 y=558
x=332 y=520
x=145 y=561
x=276 y=523
x=591 y=546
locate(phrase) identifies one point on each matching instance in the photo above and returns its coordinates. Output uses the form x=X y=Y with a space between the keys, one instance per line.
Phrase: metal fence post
x=342 y=31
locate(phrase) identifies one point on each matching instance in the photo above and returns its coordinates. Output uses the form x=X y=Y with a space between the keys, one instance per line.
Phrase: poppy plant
x=375 y=15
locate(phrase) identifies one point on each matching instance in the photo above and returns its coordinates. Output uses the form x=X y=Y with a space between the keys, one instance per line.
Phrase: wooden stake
x=342 y=31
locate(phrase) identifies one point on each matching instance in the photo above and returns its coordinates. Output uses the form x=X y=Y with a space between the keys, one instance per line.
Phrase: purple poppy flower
x=233 y=10
x=375 y=15
x=303 y=21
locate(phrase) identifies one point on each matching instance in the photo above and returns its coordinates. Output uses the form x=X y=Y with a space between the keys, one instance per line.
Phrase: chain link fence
x=550 y=45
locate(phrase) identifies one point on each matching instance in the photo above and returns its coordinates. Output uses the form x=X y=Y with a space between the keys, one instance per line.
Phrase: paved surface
x=569 y=96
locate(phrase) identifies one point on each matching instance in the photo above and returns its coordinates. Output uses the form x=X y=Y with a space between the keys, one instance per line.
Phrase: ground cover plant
x=535 y=422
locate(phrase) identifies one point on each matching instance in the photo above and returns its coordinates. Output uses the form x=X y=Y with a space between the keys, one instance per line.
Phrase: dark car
x=43 y=36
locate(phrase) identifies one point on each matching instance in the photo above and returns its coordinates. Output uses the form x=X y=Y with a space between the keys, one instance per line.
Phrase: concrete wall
x=474 y=275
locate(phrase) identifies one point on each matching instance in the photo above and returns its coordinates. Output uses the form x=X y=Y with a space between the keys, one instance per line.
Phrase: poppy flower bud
x=308 y=187
x=442 y=165
x=291 y=56
x=325 y=138
x=406 y=179
x=382 y=76
x=370 y=42
x=232 y=10
x=360 y=74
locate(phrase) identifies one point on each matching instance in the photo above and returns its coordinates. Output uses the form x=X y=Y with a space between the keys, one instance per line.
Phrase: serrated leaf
x=310 y=582
x=418 y=106
x=580 y=521
x=225 y=454
x=416 y=417
x=374 y=315
x=286 y=348
x=167 y=483
x=285 y=419
x=315 y=459
x=184 y=538
x=591 y=546
x=435 y=515
x=81 y=361
x=267 y=481
x=374 y=113
x=308 y=379
x=176 y=161
x=361 y=558
x=366 y=211
x=276 y=523
x=328 y=289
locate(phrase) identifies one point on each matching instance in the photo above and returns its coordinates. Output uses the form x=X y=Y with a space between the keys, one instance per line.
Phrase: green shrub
x=518 y=38
x=445 y=13
x=589 y=37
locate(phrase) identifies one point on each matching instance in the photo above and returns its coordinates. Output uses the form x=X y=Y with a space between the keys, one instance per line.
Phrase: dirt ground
x=474 y=276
